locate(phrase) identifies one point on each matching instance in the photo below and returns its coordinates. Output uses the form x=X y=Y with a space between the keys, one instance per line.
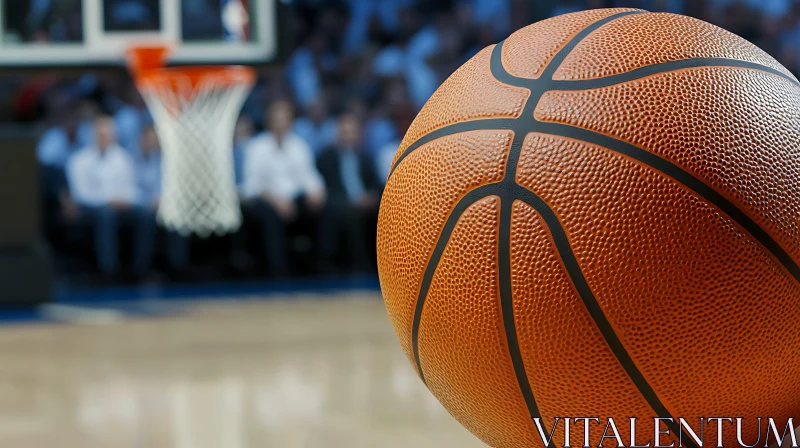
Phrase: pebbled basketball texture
x=600 y=216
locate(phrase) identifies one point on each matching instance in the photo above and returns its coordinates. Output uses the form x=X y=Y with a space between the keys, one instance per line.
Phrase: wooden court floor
x=299 y=372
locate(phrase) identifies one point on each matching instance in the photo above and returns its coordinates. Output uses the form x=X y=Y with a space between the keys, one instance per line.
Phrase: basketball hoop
x=195 y=111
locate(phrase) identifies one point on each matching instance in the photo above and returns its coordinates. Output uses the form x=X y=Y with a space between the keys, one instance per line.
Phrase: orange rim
x=144 y=59
x=147 y=66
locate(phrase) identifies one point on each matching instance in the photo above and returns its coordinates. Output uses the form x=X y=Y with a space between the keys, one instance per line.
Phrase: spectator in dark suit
x=353 y=194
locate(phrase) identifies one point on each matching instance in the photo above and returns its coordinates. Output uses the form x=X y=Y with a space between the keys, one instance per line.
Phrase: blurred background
x=364 y=65
x=274 y=335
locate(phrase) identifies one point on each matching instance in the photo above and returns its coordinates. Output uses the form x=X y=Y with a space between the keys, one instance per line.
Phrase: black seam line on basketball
x=506 y=188
x=457 y=128
x=506 y=193
x=562 y=54
x=534 y=85
x=607 y=81
x=664 y=67
x=509 y=185
x=504 y=249
x=572 y=85
x=521 y=127
x=575 y=273
x=680 y=175
x=462 y=205
x=499 y=72
x=505 y=77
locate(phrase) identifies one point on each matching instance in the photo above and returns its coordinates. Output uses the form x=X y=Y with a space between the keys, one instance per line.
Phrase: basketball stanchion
x=195 y=111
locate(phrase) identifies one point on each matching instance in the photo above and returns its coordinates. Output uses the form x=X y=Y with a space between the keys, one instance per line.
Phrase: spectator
x=316 y=127
x=102 y=183
x=494 y=12
x=401 y=114
x=242 y=134
x=568 y=6
x=88 y=111
x=282 y=182
x=55 y=147
x=302 y=69
x=131 y=119
x=364 y=14
x=378 y=132
x=384 y=158
x=148 y=179
x=59 y=142
x=353 y=193
x=148 y=168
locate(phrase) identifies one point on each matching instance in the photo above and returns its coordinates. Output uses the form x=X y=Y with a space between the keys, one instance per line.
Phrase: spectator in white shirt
x=281 y=182
x=102 y=182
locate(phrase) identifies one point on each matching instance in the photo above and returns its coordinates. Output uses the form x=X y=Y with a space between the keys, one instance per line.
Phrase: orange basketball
x=600 y=216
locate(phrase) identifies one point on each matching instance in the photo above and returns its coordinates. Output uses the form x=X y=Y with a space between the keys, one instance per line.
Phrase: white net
x=195 y=124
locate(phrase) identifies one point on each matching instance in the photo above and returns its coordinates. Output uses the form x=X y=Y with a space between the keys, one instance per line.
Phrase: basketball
x=599 y=217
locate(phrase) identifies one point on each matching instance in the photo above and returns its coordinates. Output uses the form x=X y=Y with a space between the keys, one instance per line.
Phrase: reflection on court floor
x=297 y=373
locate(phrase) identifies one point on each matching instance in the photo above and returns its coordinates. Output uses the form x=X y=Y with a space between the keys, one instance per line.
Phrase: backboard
x=97 y=33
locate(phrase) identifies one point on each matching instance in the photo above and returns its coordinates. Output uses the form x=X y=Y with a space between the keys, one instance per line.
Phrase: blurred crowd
x=317 y=136
x=103 y=184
